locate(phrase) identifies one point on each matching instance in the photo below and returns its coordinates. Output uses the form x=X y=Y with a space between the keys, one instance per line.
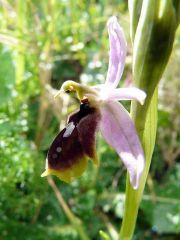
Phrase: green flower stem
x=152 y=33
x=133 y=197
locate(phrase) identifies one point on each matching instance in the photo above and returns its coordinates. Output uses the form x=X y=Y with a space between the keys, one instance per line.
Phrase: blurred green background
x=42 y=44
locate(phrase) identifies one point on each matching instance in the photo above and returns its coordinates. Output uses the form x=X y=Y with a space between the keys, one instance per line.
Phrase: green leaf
x=156 y=28
x=134 y=12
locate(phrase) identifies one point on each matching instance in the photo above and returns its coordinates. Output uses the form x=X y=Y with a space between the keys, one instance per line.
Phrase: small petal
x=70 y=150
x=118 y=49
x=126 y=94
x=118 y=130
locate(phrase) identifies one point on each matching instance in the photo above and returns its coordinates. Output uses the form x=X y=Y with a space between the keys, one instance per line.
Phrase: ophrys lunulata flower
x=99 y=110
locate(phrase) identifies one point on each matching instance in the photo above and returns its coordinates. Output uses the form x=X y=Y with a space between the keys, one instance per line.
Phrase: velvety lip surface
x=75 y=141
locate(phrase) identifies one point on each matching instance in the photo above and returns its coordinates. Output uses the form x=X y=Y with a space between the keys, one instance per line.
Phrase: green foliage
x=6 y=90
x=162 y=213
x=60 y=40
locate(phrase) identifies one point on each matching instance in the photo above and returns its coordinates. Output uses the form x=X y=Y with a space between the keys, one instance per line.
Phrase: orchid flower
x=99 y=110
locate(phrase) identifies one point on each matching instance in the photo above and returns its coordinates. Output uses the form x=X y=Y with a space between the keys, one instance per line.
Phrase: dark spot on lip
x=84 y=109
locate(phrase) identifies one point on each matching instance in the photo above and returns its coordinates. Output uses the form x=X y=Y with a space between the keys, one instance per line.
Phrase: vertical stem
x=133 y=197
x=20 y=60
x=152 y=34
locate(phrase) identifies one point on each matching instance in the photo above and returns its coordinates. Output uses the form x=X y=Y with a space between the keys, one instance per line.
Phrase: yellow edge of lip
x=70 y=174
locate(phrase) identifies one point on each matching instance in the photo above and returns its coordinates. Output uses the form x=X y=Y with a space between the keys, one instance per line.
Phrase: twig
x=72 y=218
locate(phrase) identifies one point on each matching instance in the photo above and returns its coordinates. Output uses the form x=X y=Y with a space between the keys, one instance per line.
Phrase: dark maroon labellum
x=76 y=141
